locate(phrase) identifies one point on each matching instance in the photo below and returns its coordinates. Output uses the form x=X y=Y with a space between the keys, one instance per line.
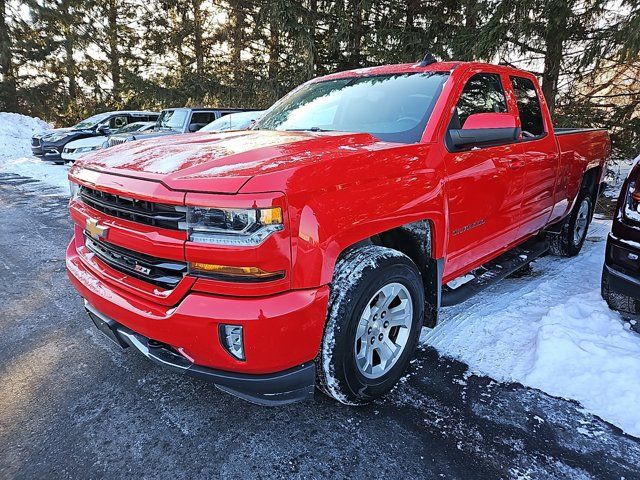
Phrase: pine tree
x=8 y=90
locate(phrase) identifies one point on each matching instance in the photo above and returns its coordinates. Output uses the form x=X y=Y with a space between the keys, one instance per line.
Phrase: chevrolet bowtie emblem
x=96 y=231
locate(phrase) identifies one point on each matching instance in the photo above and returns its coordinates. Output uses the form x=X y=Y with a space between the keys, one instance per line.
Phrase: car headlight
x=54 y=137
x=74 y=190
x=232 y=226
x=88 y=149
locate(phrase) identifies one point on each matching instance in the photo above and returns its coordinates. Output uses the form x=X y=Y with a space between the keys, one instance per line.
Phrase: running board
x=495 y=270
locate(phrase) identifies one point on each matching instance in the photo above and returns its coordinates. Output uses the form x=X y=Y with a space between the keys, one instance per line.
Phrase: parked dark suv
x=173 y=121
x=621 y=273
x=49 y=147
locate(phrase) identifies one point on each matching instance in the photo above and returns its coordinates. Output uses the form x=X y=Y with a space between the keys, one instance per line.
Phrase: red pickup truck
x=312 y=249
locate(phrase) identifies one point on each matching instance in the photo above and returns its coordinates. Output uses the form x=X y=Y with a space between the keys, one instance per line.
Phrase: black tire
x=615 y=300
x=358 y=275
x=564 y=244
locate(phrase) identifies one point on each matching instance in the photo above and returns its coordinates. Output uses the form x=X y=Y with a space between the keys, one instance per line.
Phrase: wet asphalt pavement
x=73 y=406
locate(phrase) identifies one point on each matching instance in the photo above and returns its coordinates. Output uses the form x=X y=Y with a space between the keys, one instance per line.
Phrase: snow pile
x=15 y=150
x=552 y=331
x=15 y=134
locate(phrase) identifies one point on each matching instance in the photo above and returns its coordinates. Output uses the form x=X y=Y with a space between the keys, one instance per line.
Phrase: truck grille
x=140 y=211
x=35 y=142
x=164 y=273
x=113 y=141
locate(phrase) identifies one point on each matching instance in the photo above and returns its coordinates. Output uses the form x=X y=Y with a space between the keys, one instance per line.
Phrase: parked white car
x=79 y=148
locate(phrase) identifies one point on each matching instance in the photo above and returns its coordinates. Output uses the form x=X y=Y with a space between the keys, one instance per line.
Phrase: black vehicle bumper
x=622 y=263
x=37 y=151
x=51 y=156
x=279 y=388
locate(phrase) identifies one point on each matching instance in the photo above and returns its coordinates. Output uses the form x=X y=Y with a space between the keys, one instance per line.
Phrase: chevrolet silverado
x=311 y=249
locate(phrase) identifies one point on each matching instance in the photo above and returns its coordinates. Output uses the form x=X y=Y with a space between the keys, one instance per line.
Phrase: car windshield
x=91 y=121
x=174 y=119
x=132 y=127
x=393 y=108
x=233 y=121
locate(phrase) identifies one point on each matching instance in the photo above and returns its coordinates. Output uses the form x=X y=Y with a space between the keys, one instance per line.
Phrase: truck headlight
x=74 y=190
x=233 y=226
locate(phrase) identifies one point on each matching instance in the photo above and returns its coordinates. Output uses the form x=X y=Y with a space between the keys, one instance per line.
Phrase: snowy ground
x=15 y=151
x=550 y=330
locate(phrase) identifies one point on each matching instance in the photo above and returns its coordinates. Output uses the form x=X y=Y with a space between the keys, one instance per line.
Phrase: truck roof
x=129 y=112
x=210 y=109
x=414 y=67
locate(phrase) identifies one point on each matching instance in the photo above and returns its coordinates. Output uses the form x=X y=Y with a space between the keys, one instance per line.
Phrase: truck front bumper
x=281 y=334
x=279 y=388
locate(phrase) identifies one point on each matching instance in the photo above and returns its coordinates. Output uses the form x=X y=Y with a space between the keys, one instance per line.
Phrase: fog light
x=232 y=340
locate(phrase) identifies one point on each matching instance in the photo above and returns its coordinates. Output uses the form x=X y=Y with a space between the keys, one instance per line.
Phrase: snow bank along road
x=551 y=330
x=15 y=151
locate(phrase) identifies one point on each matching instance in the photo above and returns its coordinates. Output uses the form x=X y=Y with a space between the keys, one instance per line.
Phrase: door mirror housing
x=194 y=127
x=103 y=129
x=484 y=129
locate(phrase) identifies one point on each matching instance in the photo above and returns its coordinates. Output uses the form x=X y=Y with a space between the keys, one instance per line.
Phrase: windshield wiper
x=310 y=129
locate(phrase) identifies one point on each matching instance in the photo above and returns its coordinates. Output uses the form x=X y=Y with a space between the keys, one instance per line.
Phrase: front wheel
x=375 y=314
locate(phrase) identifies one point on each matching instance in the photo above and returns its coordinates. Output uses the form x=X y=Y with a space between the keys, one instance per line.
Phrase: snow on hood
x=231 y=157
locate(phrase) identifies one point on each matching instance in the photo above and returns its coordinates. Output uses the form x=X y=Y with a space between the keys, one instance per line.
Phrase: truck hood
x=224 y=162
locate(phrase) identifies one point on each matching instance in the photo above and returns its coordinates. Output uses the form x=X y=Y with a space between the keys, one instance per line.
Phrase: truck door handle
x=516 y=164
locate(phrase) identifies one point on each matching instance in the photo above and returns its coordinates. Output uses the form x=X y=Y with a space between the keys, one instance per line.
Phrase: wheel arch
x=591 y=180
x=418 y=241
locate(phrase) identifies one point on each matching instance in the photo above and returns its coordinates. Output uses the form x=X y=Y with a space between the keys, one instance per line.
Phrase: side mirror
x=484 y=129
x=194 y=127
x=103 y=129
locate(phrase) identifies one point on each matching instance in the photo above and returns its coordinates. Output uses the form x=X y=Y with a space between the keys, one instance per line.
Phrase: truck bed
x=572 y=130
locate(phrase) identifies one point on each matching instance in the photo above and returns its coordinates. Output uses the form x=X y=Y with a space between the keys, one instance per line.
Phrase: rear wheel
x=573 y=232
x=375 y=314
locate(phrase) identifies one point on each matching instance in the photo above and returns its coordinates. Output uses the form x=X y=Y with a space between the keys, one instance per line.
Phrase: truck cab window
x=483 y=93
x=203 y=117
x=528 y=107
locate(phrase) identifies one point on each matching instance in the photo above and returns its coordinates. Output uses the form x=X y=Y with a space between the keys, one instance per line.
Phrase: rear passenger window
x=203 y=117
x=483 y=93
x=528 y=107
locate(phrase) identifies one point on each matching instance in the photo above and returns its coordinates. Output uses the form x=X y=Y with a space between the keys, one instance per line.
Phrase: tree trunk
x=69 y=42
x=8 y=90
x=274 y=58
x=411 y=10
x=313 y=59
x=470 y=26
x=238 y=40
x=114 y=55
x=555 y=36
x=198 y=48
x=355 y=35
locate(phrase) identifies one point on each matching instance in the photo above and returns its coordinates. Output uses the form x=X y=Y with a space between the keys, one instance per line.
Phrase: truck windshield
x=393 y=108
x=173 y=119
